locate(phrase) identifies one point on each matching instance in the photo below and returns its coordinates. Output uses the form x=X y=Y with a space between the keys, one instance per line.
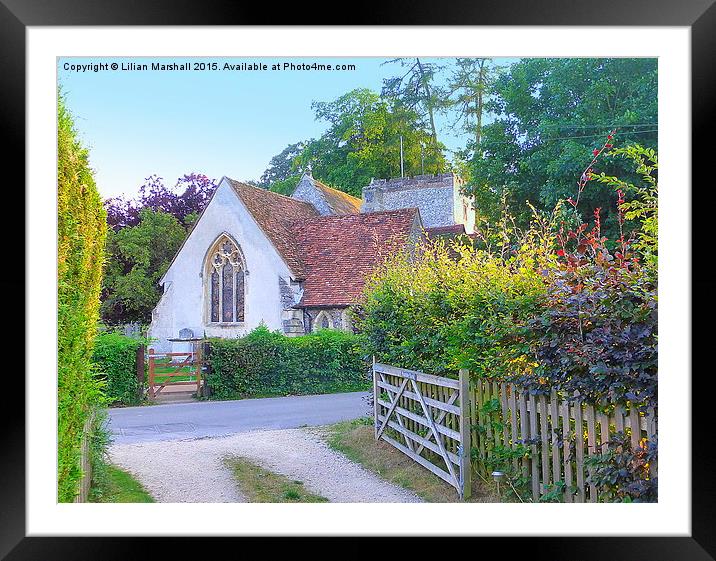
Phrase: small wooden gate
x=427 y=418
x=187 y=366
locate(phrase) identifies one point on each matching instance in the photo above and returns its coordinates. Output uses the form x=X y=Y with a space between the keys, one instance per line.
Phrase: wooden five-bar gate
x=438 y=421
x=425 y=417
x=184 y=365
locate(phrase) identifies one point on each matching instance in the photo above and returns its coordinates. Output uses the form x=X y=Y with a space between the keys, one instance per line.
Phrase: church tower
x=438 y=197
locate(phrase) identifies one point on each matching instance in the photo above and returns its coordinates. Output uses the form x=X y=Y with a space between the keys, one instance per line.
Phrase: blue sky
x=226 y=122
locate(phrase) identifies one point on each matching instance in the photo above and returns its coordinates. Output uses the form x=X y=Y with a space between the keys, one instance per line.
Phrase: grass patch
x=260 y=485
x=115 y=485
x=355 y=439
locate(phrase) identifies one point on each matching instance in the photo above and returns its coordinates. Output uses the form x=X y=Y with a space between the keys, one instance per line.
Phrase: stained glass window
x=226 y=282
x=214 y=296
x=240 y=296
x=324 y=323
x=227 y=293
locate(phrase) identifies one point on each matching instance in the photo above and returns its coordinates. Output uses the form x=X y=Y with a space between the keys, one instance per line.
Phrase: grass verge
x=260 y=485
x=116 y=485
x=355 y=440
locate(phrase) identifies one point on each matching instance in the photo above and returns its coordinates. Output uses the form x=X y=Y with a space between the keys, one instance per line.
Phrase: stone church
x=296 y=263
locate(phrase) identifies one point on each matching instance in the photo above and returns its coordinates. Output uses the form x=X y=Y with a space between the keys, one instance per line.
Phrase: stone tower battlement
x=438 y=197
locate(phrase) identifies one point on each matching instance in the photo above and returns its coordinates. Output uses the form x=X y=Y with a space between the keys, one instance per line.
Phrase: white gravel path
x=193 y=471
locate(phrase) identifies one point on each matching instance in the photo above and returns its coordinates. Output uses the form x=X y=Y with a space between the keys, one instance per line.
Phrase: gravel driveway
x=192 y=471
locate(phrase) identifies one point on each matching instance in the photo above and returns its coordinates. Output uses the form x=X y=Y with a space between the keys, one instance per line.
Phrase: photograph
x=409 y=275
x=357 y=279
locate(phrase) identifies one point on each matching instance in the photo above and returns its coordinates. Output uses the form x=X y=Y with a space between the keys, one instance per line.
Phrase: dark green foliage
x=138 y=257
x=282 y=166
x=115 y=357
x=81 y=231
x=549 y=114
x=622 y=474
x=267 y=363
x=598 y=335
x=285 y=186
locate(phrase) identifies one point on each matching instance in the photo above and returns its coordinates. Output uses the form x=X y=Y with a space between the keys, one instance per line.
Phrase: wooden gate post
x=197 y=362
x=465 y=445
x=140 y=370
x=151 y=373
x=375 y=400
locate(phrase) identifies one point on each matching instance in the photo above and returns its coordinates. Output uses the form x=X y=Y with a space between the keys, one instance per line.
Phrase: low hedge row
x=265 y=363
x=115 y=358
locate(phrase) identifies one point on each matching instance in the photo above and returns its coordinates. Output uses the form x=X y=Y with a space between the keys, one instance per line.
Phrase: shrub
x=598 y=332
x=266 y=363
x=115 y=357
x=622 y=473
x=81 y=232
x=452 y=307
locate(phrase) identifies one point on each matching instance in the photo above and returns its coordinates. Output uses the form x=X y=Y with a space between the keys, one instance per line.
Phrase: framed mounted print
x=408 y=275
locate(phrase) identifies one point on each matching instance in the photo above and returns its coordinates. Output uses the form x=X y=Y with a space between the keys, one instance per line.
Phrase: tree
x=138 y=257
x=81 y=231
x=283 y=166
x=548 y=112
x=363 y=142
x=644 y=207
x=416 y=90
x=468 y=90
x=185 y=201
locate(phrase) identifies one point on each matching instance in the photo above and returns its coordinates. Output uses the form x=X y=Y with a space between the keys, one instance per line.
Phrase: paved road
x=221 y=418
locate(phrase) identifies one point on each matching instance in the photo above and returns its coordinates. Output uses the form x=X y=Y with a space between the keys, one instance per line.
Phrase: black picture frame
x=699 y=15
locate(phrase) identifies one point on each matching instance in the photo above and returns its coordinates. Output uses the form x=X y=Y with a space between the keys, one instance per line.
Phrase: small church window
x=226 y=284
x=322 y=321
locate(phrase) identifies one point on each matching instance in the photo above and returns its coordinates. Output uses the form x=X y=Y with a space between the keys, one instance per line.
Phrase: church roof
x=340 y=202
x=332 y=254
x=445 y=231
x=339 y=252
x=275 y=215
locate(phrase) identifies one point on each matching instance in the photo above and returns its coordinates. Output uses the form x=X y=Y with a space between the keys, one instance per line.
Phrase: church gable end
x=328 y=201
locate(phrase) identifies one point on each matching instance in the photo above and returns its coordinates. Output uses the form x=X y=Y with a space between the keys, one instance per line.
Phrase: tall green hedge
x=115 y=357
x=265 y=363
x=81 y=232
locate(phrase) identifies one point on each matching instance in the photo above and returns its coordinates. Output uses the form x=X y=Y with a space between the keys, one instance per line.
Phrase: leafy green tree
x=363 y=142
x=468 y=90
x=285 y=186
x=81 y=231
x=548 y=112
x=417 y=90
x=138 y=257
x=283 y=166
x=644 y=207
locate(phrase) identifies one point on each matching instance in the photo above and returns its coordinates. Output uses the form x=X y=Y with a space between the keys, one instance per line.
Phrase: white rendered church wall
x=183 y=305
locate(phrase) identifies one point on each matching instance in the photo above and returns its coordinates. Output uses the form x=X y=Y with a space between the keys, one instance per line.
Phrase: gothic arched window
x=322 y=321
x=225 y=282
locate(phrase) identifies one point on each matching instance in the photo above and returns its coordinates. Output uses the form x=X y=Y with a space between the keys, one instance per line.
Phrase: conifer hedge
x=81 y=232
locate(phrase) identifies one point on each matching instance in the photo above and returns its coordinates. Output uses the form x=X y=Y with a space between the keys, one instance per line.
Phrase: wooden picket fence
x=505 y=415
x=425 y=417
x=439 y=421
